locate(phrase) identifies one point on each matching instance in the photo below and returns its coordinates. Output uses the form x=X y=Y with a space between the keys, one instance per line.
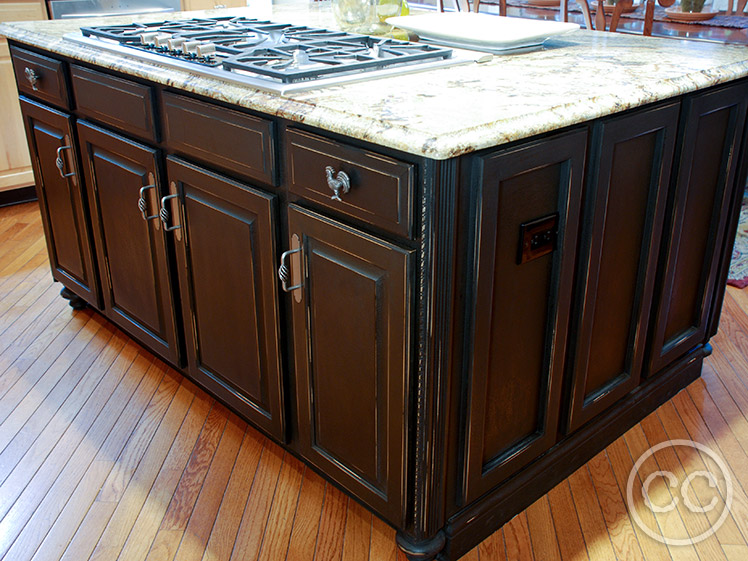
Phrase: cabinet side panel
x=688 y=278
x=698 y=218
x=527 y=208
x=626 y=213
x=513 y=332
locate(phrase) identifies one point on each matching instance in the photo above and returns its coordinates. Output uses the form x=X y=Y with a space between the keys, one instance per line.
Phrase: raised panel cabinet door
x=626 y=196
x=520 y=304
x=131 y=250
x=352 y=332
x=697 y=219
x=226 y=256
x=61 y=199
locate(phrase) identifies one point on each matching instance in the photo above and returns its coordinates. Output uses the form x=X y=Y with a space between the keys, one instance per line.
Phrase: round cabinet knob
x=32 y=77
x=340 y=184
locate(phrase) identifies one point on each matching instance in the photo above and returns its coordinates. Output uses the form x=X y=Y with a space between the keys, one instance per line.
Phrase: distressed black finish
x=418 y=360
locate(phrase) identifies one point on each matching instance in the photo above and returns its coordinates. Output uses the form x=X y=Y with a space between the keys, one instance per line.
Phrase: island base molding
x=474 y=524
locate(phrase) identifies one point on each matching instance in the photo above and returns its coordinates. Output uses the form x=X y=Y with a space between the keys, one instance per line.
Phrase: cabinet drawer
x=122 y=104
x=40 y=77
x=381 y=188
x=222 y=138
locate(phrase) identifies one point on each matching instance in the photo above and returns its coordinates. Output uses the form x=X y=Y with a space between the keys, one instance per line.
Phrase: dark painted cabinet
x=713 y=127
x=521 y=302
x=131 y=246
x=51 y=140
x=457 y=336
x=625 y=202
x=226 y=248
x=352 y=349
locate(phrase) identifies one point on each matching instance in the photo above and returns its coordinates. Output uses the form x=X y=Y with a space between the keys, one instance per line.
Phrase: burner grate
x=266 y=51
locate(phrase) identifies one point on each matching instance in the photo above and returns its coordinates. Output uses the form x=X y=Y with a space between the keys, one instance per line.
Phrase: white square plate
x=483 y=32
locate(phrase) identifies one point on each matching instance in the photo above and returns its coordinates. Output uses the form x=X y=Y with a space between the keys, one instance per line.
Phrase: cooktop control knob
x=175 y=45
x=206 y=50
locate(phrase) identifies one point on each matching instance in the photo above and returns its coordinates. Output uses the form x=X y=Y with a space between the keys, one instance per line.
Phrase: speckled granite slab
x=451 y=111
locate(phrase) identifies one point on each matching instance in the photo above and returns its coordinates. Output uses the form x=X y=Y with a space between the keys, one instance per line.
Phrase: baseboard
x=476 y=522
x=17 y=196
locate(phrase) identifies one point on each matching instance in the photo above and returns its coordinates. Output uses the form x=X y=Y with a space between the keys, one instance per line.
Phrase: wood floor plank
x=257 y=510
x=622 y=464
x=185 y=496
x=517 y=538
x=699 y=432
x=696 y=523
x=590 y=516
x=42 y=341
x=728 y=531
x=280 y=520
x=226 y=526
x=73 y=515
x=613 y=506
x=357 y=538
x=55 y=462
x=20 y=328
x=542 y=530
x=38 y=453
x=736 y=552
x=134 y=426
x=80 y=406
x=566 y=521
x=383 y=545
x=42 y=378
x=669 y=522
x=201 y=522
x=304 y=533
x=138 y=516
x=331 y=526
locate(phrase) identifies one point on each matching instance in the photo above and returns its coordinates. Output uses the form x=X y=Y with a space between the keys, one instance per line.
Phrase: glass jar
x=355 y=15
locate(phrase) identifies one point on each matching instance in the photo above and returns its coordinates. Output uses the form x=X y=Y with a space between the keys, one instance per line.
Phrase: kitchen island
x=522 y=258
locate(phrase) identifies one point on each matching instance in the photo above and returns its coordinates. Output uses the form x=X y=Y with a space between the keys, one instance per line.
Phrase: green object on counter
x=404 y=9
x=691 y=5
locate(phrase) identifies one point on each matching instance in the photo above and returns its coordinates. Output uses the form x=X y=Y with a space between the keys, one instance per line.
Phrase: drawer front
x=220 y=137
x=122 y=104
x=40 y=77
x=381 y=188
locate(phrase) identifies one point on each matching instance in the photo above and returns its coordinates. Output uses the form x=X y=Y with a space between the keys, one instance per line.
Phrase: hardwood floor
x=108 y=454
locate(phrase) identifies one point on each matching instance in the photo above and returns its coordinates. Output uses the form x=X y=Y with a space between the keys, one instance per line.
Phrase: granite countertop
x=451 y=111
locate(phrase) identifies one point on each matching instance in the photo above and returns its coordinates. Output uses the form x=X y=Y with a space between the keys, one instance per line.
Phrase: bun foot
x=75 y=301
x=421 y=550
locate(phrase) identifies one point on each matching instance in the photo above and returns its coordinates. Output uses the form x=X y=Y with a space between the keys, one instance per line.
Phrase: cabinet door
x=625 y=204
x=131 y=251
x=697 y=221
x=61 y=199
x=352 y=341
x=226 y=254
x=520 y=305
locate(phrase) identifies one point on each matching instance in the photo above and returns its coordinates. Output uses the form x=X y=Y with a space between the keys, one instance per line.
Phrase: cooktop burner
x=277 y=56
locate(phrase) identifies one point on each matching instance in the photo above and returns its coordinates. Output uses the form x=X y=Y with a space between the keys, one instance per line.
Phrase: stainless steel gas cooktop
x=278 y=57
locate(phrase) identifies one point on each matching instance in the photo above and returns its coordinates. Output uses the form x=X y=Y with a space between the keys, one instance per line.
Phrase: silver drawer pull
x=32 y=77
x=60 y=163
x=165 y=214
x=143 y=204
x=340 y=184
x=284 y=274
